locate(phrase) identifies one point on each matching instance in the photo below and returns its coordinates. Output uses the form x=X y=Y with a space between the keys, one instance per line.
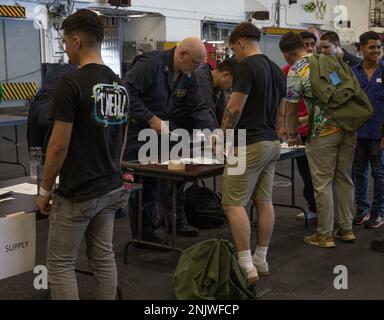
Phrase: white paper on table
x=4 y=192
x=284 y=145
x=282 y=150
x=24 y=188
x=6 y=199
x=200 y=160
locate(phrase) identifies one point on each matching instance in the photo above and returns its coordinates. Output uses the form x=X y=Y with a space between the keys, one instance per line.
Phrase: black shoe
x=378 y=245
x=185 y=230
x=374 y=222
x=360 y=218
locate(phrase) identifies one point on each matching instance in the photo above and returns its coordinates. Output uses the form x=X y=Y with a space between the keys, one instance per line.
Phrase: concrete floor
x=298 y=271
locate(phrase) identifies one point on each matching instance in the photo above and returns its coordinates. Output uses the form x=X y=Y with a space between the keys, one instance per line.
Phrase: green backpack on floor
x=209 y=270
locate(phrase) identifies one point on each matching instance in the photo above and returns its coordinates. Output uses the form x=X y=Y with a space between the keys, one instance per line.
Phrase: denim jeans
x=368 y=153
x=68 y=224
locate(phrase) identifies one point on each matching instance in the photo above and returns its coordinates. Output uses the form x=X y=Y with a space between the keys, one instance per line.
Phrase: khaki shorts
x=257 y=181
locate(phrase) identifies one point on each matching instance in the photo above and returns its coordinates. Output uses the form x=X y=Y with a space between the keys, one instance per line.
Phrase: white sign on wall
x=314 y=11
x=17 y=244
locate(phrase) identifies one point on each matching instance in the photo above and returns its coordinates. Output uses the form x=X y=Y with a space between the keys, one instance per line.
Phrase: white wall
x=174 y=31
x=358 y=12
x=145 y=30
x=226 y=10
x=183 y=17
x=292 y=16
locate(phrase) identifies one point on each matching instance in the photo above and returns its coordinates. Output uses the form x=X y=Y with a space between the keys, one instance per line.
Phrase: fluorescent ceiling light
x=136 y=15
x=216 y=42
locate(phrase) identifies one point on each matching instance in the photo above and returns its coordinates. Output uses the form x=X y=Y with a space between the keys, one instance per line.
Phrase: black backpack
x=203 y=207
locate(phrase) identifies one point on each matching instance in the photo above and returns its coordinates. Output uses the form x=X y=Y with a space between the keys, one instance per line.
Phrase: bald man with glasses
x=164 y=88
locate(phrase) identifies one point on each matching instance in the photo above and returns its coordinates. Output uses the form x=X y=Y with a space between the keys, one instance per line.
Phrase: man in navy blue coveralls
x=164 y=88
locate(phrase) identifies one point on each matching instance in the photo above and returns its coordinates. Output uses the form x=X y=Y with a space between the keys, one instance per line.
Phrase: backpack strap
x=313 y=68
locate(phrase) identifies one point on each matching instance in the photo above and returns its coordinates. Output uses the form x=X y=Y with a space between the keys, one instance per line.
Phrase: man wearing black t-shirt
x=90 y=112
x=258 y=91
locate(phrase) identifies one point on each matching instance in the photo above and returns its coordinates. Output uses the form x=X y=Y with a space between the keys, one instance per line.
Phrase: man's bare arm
x=233 y=110
x=280 y=120
x=57 y=152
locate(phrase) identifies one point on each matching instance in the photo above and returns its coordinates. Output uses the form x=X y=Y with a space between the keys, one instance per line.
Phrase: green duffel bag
x=336 y=89
x=209 y=270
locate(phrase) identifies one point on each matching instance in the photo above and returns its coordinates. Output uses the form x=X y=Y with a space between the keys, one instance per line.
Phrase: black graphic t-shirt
x=96 y=101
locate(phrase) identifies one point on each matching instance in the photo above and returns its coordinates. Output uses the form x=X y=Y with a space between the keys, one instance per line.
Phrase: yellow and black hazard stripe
x=12 y=11
x=281 y=31
x=19 y=90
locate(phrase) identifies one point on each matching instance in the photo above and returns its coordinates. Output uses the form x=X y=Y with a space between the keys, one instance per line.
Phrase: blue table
x=15 y=121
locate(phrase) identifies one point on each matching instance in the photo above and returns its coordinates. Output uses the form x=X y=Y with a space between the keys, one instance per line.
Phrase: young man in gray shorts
x=258 y=91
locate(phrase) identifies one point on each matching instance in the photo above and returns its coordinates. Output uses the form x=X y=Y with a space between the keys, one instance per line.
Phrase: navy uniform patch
x=181 y=93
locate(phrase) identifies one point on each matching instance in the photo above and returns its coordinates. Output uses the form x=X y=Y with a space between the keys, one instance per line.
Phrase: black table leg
x=174 y=213
x=16 y=143
x=293 y=205
x=147 y=244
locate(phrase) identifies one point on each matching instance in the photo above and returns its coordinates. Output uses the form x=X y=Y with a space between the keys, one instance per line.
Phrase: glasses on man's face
x=195 y=62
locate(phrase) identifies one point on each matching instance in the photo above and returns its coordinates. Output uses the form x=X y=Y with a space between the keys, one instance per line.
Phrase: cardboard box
x=17 y=244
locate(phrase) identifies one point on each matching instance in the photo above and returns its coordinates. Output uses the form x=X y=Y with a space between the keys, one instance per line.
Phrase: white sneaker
x=252 y=275
x=262 y=267
x=310 y=215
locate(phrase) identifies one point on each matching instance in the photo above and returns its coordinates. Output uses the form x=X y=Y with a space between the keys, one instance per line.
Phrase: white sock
x=245 y=259
x=260 y=254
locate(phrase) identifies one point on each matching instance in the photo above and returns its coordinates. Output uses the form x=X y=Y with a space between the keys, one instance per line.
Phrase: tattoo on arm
x=229 y=120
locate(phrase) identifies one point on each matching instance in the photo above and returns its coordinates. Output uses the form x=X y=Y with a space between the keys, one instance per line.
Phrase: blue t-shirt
x=374 y=89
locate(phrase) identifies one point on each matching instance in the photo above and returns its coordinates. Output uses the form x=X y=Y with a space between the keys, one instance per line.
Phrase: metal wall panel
x=23 y=51
x=270 y=46
x=111 y=48
x=20 y=55
x=2 y=55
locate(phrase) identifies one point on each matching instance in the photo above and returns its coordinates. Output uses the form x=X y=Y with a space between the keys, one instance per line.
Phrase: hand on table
x=294 y=141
